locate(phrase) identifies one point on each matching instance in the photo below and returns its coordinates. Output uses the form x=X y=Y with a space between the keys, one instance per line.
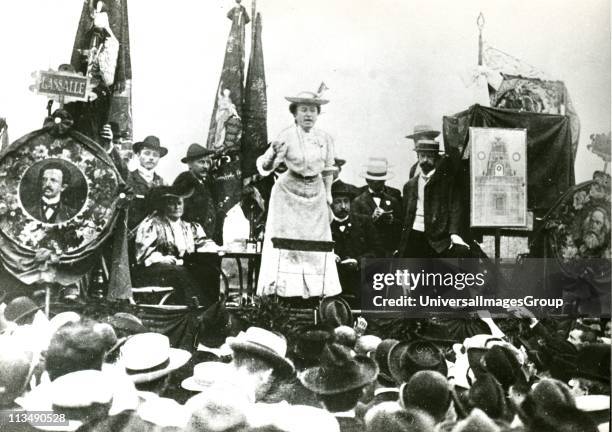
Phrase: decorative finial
x=480 y=21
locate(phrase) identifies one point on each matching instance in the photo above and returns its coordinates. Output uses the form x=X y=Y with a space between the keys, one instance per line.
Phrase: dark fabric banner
x=255 y=135
x=540 y=96
x=225 y=132
x=550 y=157
x=105 y=58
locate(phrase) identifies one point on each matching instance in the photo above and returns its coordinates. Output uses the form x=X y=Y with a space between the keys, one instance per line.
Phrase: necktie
x=49 y=210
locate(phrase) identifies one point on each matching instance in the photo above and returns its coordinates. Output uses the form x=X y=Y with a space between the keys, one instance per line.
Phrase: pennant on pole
x=255 y=136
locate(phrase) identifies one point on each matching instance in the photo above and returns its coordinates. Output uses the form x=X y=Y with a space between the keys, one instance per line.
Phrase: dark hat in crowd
x=435 y=332
x=335 y=311
x=339 y=161
x=428 y=391
x=196 y=151
x=423 y=131
x=407 y=358
x=310 y=342
x=342 y=189
x=155 y=199
x=488 y=395
x=217 y=324
x=497 y=360
x=21 y=310
x=546 y=395
x=266 y=345
x=150 y=142
x=382 y=358
x=339 y=372
x=125 y=324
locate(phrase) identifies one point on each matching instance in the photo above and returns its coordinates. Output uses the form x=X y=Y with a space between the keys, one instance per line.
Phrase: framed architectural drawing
x=498 y=177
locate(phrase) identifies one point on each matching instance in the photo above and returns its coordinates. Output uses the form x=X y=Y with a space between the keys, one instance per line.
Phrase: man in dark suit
x=53 y=179
x=144 y=178
x=338 y=163
x=421 y=131
x=432 y=208
x=354 y=237
x=201 y=206
x=381 y=205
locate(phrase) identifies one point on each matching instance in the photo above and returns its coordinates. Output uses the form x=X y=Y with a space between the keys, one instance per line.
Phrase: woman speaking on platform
x=299 y=205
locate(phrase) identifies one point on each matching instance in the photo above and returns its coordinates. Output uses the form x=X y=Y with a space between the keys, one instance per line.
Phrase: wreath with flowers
x=92 y=218
x=567 y=225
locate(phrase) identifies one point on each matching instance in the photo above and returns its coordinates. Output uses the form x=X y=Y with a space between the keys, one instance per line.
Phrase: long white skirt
x=298 y=210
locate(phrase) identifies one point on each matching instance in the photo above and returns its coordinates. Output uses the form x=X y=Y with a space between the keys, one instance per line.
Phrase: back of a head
x=339 y=402
x=428 y=391
x=20 y=310
x=548 y=394
x=15 y=365
x=217 y=411
x=562 y=420
x=78 y=346
x=390 y=417
x=487 y=394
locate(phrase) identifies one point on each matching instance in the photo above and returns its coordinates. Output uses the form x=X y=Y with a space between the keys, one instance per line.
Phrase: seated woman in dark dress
x=166 y=249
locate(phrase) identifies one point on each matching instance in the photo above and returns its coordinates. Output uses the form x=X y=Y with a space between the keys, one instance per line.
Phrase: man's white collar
x=51 y=201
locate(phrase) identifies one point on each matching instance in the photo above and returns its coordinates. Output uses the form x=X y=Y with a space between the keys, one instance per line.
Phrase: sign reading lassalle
x=67 y=85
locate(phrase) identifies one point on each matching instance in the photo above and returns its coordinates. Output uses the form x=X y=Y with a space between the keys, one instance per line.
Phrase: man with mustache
x=354 y=238
x=432 y=208
x=53 y=179
x=144 y=178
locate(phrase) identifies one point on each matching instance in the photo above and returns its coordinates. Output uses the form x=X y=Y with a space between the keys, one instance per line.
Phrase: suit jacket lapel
x=370 y=200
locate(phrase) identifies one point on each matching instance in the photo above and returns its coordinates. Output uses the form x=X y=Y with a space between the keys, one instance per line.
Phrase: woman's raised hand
x=278 y=146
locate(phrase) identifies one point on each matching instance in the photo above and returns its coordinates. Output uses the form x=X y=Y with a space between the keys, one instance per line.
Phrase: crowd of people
x=113 y=374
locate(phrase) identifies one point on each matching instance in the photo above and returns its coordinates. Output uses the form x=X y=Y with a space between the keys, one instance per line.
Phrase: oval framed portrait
x=56 y=193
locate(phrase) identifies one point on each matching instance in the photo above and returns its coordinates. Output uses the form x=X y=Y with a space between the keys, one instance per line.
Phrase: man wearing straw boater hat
x=149 y=151
x=379 y=204
x=432 y=208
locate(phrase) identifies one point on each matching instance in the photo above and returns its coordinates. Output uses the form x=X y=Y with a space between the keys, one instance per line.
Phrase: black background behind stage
x=550 y=157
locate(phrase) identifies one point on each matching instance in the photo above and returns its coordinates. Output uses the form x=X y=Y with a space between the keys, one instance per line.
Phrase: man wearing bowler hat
x=355 y=237
x=378 y=203
x=421 y=132
x=202 y=206
x=432 y=208
x=142 y=179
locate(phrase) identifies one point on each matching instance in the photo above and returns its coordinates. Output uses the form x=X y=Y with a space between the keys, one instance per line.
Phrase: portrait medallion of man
x=53 y=191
